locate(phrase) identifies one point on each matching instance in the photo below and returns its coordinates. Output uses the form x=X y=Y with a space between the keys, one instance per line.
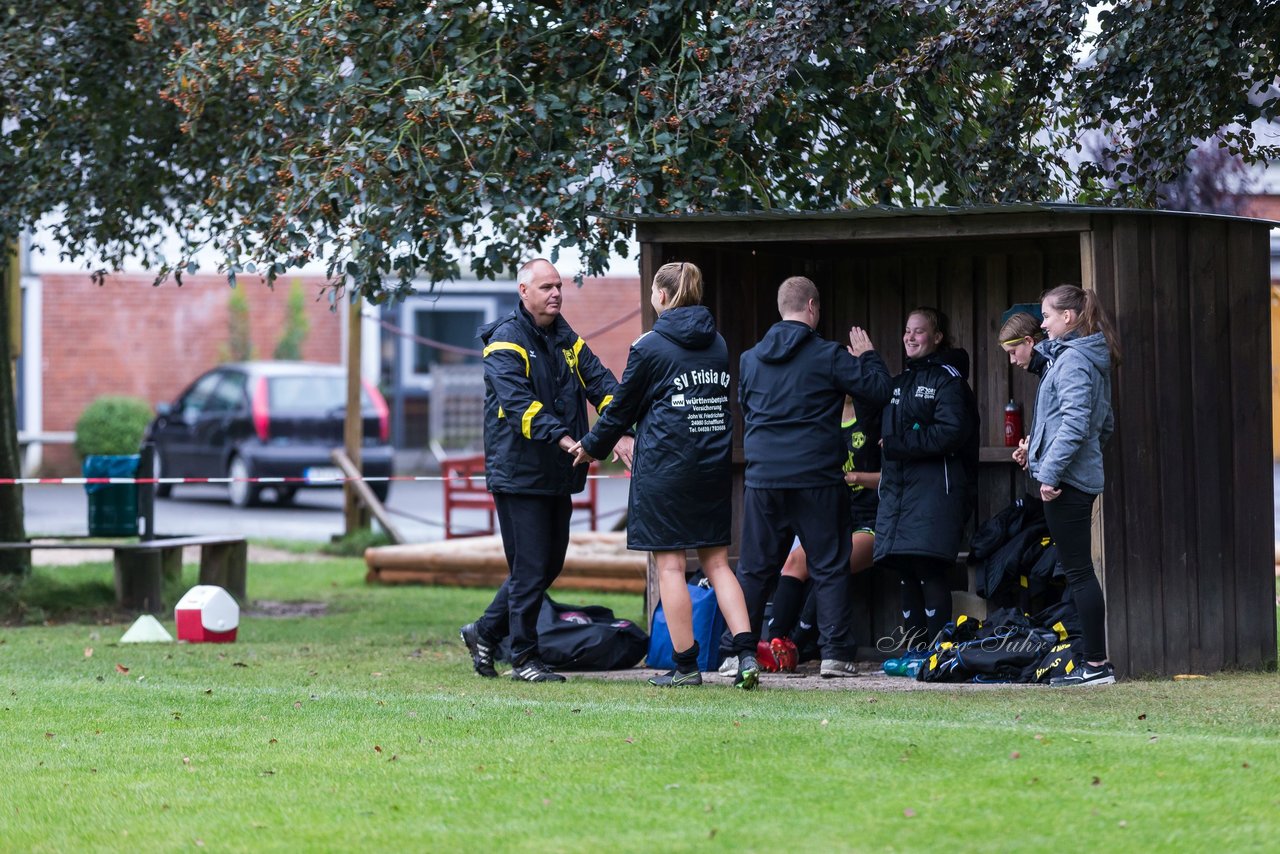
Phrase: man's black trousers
x=535 y=535
x=819 y=516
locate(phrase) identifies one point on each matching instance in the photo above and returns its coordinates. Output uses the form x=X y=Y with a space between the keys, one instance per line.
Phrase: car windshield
x=310 y=394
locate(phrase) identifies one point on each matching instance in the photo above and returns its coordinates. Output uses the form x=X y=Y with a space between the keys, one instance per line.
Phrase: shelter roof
x=886 y=212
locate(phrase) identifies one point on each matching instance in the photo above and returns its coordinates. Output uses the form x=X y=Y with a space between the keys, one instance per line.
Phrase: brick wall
x=127 y=337
x=597 y=305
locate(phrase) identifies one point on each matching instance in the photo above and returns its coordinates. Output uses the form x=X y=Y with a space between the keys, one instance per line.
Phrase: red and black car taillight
x=380 y=405
x=261 y=410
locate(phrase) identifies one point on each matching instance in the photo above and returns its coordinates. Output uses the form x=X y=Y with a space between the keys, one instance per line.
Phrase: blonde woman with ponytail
x=675 y=389
x=1073 y=420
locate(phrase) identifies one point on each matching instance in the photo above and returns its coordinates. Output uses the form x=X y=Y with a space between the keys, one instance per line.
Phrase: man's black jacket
x=792 y=386
x=537 y=383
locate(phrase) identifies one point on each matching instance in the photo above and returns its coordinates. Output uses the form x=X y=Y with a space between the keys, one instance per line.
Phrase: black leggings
x=926 y=597
x=1070 y=519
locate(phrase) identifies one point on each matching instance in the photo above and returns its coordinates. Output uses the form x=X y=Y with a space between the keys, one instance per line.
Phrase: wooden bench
x=464 y=489
x=141 y=566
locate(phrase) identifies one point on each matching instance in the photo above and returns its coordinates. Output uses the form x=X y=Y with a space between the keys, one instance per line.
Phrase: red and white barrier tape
x=303 y=481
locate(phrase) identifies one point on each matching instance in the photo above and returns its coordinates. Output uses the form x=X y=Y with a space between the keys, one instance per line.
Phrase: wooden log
x=596 y=560
x=481 y=571
x=482 y=579
x=461 y=562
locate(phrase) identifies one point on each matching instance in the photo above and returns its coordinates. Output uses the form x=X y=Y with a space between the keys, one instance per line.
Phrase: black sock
x=744 y=643
x=787 y=601
x=687 y=661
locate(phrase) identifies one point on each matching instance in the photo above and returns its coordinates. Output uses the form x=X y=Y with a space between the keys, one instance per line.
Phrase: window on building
x=453 y=327
x=442 y=331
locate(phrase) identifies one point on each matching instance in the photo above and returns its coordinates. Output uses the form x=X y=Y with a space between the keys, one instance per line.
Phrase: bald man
x=538 y=376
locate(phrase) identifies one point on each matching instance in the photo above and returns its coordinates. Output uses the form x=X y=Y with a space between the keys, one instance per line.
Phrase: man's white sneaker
x=834 y=668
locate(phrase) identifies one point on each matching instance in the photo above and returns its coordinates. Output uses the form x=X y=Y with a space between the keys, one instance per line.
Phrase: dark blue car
x=267 y=419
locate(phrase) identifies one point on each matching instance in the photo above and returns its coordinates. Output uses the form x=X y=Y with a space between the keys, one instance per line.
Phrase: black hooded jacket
x=792 y=389
x=676 y=386
x=537 y=383
x=929 y=467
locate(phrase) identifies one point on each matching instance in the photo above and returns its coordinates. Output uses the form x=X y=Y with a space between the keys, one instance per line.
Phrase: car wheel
x=285 y=495
x=381 y=489
x=242 y=494
x=163 y=490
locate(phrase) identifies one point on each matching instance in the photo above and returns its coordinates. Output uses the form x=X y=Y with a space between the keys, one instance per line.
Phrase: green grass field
x=364 y=729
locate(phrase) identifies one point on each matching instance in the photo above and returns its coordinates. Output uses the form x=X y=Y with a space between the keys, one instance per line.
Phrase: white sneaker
x=729 y=667
x=834 y=668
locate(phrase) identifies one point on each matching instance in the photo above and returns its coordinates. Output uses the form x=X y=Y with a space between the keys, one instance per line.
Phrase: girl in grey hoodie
x=1073 y=421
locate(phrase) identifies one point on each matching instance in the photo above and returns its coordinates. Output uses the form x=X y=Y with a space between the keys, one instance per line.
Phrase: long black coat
x=536 y=387
x=676 y=386
x=929 y=467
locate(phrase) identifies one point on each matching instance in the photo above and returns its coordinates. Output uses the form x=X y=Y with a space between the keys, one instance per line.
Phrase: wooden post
x=225 y=565
x=139 y=580
x=355 y=516
x=367 y=499
x=12 y=527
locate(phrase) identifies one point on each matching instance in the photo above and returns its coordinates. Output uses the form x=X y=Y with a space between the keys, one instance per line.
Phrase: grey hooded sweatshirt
x=1073 y=418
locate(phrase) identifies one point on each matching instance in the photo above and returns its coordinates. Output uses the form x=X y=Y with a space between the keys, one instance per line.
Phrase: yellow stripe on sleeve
x=608 y=399
x=577 y=355
x=526 y=423
x=507 y=345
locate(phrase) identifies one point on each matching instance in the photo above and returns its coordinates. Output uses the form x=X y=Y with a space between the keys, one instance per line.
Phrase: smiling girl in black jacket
x=928 y=473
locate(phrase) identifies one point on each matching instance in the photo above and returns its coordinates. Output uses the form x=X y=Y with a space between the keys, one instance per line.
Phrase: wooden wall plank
x=1141 y=565
x=1174 y=496
x=886 y=311
x=991 y=382
x=922 y=278
x=1099 y=274
x=1209 y=343
x=1026 y=282
x=1248 y=289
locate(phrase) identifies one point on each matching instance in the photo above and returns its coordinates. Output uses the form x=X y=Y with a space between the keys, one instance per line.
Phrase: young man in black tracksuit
x=792 y=387
x=538 y=377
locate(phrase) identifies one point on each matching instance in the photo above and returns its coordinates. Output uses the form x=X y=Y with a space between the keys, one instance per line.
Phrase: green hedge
x=112 y=425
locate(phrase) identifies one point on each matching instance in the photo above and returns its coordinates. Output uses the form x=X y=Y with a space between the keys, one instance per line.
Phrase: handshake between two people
x=622 y=452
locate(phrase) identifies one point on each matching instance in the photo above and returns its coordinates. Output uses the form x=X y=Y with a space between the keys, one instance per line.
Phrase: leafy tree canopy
x=392 y=138
x=389 y=138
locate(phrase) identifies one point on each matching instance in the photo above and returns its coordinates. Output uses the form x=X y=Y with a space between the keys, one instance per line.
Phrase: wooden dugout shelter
x=1184 y=531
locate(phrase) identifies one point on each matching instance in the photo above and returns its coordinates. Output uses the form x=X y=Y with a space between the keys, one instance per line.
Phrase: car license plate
x=326 y=474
